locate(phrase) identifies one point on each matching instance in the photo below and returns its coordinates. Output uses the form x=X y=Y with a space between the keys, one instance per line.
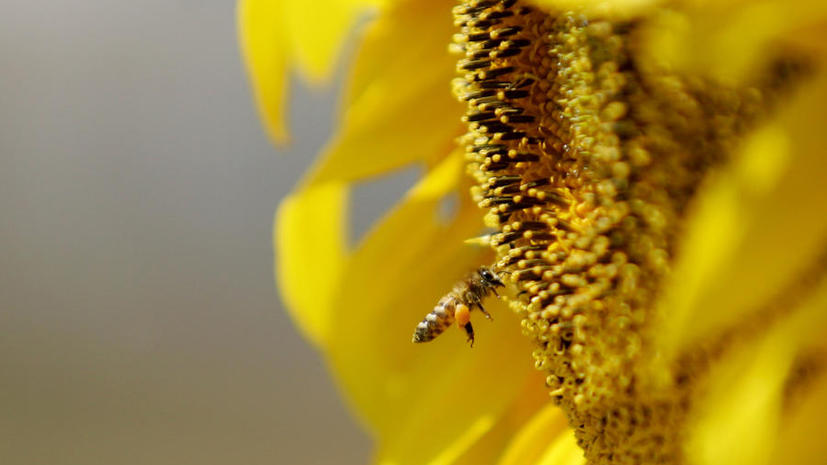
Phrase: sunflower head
x=652 y=177
x=587 y=155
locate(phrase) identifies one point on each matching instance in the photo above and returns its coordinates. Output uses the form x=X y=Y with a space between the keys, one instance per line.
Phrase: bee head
x=489 y=277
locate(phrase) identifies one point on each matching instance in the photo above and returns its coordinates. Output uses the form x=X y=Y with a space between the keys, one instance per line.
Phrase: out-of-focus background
x=139 y=323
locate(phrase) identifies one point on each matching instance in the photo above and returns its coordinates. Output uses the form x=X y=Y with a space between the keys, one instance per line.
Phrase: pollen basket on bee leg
x=462 y=315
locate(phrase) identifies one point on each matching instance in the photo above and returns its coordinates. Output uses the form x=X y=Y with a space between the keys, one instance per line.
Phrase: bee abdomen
x=434 y=323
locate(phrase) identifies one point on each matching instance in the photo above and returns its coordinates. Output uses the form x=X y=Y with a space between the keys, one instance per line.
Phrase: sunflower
x=647 y=177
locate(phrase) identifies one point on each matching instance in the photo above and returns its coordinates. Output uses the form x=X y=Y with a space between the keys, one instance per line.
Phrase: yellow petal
x=616 y=9
x=529 y=446
x=398 y=272
x=317 y=30
x=277 y=35
x=310 y=255
x=398 y=106
x=743 y=403
x=455 y=395
x=563 y=451
x=756 y=228
x=728 y=40
x=260 y=30
x=532 y=398
x=800 y=439
x=443 y=390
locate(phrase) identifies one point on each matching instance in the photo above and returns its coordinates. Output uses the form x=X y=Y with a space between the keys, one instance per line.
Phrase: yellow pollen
x=462 y=315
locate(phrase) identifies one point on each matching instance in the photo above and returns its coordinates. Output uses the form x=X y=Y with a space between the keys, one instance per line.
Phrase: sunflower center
x=585 y=159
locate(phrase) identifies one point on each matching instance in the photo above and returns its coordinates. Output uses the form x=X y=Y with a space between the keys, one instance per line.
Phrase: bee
x=457 y=305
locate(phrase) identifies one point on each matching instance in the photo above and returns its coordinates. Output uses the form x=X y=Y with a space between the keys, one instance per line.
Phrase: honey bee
x=457 y=305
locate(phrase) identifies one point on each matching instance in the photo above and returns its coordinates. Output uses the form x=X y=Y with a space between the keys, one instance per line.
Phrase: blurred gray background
x=140 y=324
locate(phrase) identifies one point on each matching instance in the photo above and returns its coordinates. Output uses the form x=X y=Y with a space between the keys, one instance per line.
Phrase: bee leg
x=487 y=315
x=469 y=330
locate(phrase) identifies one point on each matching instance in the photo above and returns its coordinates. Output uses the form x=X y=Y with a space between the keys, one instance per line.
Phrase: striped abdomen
x=440 y=318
